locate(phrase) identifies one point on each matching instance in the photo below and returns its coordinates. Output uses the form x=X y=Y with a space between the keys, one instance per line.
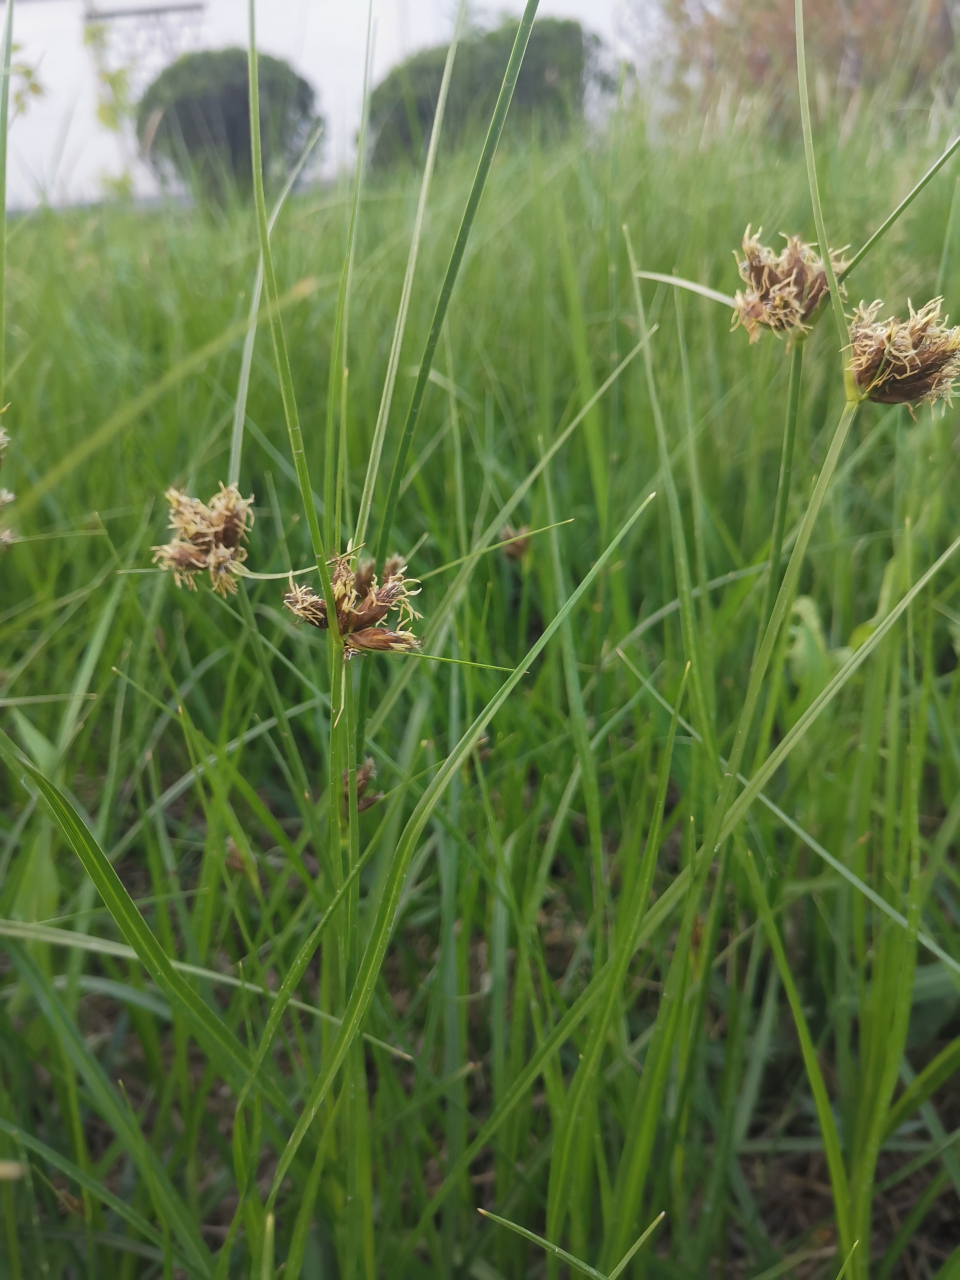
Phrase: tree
x=195 y=120
x=559 y=62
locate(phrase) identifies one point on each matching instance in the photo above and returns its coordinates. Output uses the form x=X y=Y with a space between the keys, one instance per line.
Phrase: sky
x=61 y=153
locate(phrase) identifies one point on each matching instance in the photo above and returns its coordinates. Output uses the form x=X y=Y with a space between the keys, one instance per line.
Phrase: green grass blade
x=170 y=1205
x=783 y=748
x=636 y=1247
x=85 y=1180
x=249 y=341
x=212 y=1034
x=567 y=1138
x=134 y=409
x=835 y=300
x=491 y=141
x=400 y=324
x=904 y=204
x=828 y=1128
x=553 y=1249
x=284 y=373
x=389 y=903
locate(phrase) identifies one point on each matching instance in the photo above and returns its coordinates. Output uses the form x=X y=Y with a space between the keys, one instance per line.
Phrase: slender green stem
x=4 y=127
x=393 y=361
x=246 y=361
x=284 y=373
x=341 y=330
x=903 y=205
x=439 y=315
x=453 y=268
x=783 y=485
x=808 y=151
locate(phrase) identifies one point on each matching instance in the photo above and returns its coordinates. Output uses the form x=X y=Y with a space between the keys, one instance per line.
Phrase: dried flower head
x=4 y=441
x=6 y=497
x=365 y=775
x=904 y=361
x=362 y=605
x=517 y=540
x=208 y=538
x=783 y=290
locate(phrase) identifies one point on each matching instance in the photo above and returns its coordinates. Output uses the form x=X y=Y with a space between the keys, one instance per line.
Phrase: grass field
x=566 y=969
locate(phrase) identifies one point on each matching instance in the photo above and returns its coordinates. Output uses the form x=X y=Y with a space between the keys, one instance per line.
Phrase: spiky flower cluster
x=7 y=536
x=783 y=290
x=209 y=538
x=903 y=361
x=362 y=605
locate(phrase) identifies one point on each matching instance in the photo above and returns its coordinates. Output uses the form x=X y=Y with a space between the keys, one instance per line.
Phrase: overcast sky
x=60 y=152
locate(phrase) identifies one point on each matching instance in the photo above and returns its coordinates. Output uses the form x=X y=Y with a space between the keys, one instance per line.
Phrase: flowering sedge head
x=783 y=290
x=363 y=605
x=904 y=361
x=209 y=538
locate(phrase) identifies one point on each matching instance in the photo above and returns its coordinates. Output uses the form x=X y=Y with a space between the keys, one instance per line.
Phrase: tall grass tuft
x=546 y=800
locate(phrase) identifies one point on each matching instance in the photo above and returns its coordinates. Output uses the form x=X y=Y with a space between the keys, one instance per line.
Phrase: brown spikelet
x=783 y=290
x=365 y=775
x=904 y=361
x=208 y=538
x=517 y=540
x=363 y=605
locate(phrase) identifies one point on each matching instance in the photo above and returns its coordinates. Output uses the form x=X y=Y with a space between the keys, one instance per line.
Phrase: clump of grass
x=662 y=923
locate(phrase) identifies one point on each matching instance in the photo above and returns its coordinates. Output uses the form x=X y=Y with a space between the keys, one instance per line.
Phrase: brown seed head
x=365 y=775
x=783 y=290
x=904 y=361
x=379 y=640
x=363 y=605
x=208 y=537
x=520 y=544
